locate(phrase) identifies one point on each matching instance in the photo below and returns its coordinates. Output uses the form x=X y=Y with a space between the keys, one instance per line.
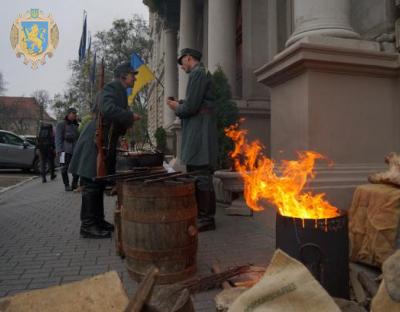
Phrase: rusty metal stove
x=322 y=245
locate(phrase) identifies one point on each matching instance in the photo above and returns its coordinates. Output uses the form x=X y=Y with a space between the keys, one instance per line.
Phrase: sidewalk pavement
x=40 y=244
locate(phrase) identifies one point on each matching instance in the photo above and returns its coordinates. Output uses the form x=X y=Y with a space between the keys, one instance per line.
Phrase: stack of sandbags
x=374 y=219
x=388 y=297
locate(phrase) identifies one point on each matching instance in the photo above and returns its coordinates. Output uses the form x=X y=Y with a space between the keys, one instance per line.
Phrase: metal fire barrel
x=158 y=223
x=322 y=245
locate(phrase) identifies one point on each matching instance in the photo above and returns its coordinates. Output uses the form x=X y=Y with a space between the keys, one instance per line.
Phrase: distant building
x=21 y=115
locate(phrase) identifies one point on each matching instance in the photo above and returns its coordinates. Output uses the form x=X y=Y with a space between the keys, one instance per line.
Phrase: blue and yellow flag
x=144 y=76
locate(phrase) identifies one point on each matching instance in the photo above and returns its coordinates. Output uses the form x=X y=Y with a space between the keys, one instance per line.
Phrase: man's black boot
x=206 y=210
x=64 y=175
x=89 y=225
x=74 y=184
x=102 y=223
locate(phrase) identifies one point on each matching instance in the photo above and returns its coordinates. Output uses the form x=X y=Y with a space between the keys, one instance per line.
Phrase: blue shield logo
x=35 y=36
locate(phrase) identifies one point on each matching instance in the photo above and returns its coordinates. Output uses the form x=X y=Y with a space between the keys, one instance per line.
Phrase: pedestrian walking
x=46 y=149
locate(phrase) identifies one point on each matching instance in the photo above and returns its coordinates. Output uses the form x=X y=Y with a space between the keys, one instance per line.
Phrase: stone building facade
x=306 y=74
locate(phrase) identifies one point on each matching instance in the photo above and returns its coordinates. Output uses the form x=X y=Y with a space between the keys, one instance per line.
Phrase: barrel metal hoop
x=165 y=278
x=160 y=255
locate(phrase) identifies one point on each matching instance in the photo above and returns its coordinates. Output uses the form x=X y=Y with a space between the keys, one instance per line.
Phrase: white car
x=16 y=153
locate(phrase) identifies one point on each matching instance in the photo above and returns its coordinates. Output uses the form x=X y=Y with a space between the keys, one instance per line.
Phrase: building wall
x=266 y=26
x=156 y=100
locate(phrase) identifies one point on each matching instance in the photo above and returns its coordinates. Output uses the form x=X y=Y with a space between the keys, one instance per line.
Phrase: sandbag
x=286 y=286
x=101 y=293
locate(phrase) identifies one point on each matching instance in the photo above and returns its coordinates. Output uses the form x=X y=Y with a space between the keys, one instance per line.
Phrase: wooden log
x=143 y=293
x=359 y=293
x=214 y=280
x=169 y=298
x=216 y=269
x=369 y=285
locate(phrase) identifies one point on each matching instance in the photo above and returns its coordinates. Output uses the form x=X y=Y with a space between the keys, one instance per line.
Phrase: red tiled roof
x=25 y=107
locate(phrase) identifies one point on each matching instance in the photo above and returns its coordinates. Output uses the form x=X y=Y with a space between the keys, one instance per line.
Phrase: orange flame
x=261 y=181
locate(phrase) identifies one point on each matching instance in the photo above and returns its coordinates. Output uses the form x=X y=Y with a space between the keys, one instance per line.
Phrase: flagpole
x=159 y=82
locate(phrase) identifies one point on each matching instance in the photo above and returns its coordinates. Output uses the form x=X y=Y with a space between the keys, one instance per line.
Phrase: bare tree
x=43 y=98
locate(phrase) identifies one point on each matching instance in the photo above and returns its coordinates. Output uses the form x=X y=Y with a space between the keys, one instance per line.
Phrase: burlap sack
x=387 y=298
x=101 y=293
x=382 y=302
x=287 y=286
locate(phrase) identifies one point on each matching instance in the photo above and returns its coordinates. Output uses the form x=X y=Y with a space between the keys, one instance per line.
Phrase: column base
x=323 y=31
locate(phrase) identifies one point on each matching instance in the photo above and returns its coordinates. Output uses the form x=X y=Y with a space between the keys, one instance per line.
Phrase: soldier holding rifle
x=95 y=151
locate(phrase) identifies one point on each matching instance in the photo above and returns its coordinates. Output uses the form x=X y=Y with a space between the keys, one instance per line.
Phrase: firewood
x=359 y=293
x=143 y=292
x=216 y=269
x=169 y=298
x=369 y=285
x=214 y=280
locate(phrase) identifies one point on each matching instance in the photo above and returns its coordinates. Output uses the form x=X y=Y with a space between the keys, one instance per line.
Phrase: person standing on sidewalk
x=46 y=151
x=199 y=133
x=112 y=107
x=66 y=137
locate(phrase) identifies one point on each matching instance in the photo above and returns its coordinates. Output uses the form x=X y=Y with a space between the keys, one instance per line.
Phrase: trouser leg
x=43 y=159
x=205 y=196
x=51 y=163
x=64 y=169
x=100 y=213
x=75 y=180
x=91 y=197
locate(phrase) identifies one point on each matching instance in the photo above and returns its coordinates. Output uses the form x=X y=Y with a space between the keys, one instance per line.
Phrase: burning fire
x=285 y=191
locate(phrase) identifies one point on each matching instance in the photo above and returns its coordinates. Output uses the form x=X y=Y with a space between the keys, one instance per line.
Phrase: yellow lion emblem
x=36 y=37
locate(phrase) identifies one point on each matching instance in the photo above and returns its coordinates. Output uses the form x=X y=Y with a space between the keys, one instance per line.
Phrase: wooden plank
x=143 y=293
x=369 y=285
x=359 y=293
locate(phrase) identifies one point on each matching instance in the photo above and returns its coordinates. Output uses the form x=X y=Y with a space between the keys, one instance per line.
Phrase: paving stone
x=40 y=244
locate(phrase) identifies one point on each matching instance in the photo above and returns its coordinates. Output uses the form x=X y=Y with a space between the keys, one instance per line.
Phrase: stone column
x=187 y=37
x=170 y=73
x=321 y=17
x=222 y=38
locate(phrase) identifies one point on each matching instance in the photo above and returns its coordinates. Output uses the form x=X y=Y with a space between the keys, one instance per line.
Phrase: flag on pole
x=144 y=76
x=93 y=69
x=82 y=45
x=90 y=43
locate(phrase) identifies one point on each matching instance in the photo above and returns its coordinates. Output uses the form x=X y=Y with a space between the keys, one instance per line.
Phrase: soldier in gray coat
x=66 y=137
x=112 y=103
x=199 y=133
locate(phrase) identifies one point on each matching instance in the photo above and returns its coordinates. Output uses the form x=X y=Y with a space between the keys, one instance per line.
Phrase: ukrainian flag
x=144 y=76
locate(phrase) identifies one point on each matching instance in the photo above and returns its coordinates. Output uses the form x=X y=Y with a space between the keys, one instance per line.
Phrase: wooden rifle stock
x=101 y=157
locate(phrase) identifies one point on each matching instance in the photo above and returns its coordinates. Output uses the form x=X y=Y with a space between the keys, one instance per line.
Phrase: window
x=12 y=139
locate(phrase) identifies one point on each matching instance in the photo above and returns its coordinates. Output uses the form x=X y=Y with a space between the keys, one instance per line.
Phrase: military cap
x=188 y=51
x=123 y=69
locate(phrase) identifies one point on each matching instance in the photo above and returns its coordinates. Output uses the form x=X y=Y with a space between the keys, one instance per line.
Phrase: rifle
x=101 y=157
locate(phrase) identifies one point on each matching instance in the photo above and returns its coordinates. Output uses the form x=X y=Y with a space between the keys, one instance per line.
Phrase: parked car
x=17 y=153
x=30 y=138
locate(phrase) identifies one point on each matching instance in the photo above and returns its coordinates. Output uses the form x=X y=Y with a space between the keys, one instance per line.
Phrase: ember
x=285 y=191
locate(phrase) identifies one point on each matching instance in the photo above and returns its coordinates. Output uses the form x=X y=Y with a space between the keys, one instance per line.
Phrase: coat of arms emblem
x=34 y=36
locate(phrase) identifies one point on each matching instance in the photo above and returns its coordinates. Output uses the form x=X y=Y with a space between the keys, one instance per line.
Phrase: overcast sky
x=21 y=79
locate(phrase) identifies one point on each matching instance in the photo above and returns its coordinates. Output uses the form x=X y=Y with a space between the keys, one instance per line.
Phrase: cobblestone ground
x=40 y=244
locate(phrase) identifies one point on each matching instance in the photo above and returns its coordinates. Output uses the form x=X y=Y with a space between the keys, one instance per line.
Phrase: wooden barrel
x=117 y=222
x=159 y=228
